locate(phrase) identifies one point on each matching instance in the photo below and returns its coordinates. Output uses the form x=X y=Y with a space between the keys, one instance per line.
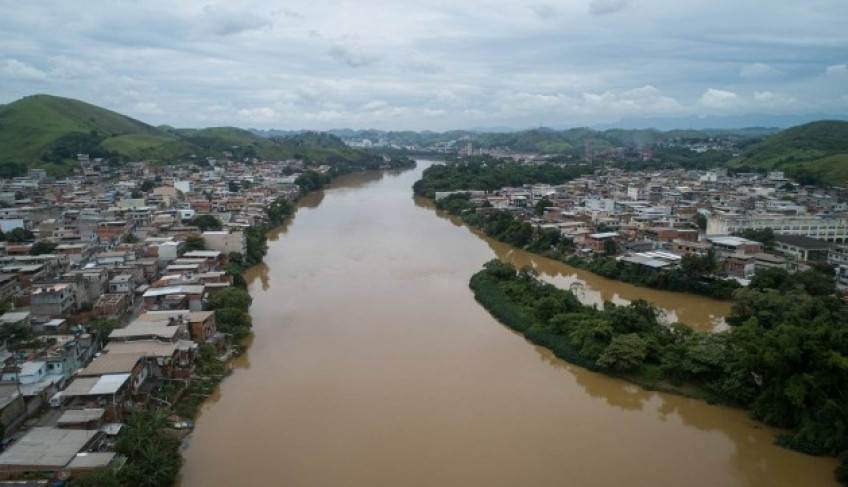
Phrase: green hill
x=48 y=131
x=813 y=153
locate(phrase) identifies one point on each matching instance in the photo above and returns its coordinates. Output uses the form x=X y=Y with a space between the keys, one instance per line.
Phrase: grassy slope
x=30 y=125
x=820 y=147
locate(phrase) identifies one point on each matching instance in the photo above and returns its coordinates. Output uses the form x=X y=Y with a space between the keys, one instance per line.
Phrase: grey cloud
x=544 y=11
x=604 y=7
x=289 y=13
x=353 y=59
x=428 y=67
x=225 y=21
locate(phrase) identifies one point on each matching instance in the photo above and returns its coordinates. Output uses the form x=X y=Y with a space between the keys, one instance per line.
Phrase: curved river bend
x=372 y=365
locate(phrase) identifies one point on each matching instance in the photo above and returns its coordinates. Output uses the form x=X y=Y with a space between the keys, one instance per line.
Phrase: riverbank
x=742 y=367
x=370 y=351
x=508 y=228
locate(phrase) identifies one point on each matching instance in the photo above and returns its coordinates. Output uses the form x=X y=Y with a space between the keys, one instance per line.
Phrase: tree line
x=694 y=274
x=487 y=173
x=785 y=358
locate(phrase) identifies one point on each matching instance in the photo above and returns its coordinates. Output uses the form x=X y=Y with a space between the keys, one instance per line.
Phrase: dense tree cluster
x=206 y=223
x=231 y=307
x=505 y=227
x=693 y=275
x=763 y=235
x=487 y=173
x=785 y=359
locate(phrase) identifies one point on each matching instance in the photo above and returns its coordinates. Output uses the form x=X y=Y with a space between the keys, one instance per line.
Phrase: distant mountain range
x=727 y=122
x=48 y=131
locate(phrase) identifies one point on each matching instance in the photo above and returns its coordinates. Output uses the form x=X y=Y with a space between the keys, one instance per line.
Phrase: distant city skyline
x=432 y=65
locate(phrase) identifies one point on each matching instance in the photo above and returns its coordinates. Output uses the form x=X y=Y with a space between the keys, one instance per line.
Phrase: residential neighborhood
x=124 y=247
x=653 y=218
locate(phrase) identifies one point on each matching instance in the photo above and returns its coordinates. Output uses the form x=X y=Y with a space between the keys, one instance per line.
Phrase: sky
x=428 y=65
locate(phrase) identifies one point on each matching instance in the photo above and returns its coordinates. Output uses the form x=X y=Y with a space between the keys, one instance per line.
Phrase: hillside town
x=119 y=245
x=652 y=219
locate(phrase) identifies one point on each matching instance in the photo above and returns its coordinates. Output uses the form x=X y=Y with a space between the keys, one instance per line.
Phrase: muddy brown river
x=372 y=365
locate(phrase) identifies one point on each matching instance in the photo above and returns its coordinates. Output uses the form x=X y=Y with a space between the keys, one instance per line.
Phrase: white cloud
x=258 y=115
x=836 y=70
x=15 y=69
x=147 y=108
x=719 y=99
x=775 y=100
x=764 y=96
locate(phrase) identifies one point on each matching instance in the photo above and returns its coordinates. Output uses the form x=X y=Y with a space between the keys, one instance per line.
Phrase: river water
x=372 y=365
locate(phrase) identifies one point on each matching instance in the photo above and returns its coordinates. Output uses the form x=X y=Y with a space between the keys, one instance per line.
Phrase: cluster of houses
x=653 y=218
x=115 y=249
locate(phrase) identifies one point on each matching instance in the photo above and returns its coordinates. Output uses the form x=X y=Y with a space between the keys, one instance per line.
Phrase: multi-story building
x=830 y=229
x=53 y=299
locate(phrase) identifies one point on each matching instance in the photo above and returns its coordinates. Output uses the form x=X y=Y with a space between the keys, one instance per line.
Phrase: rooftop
x=806 y=243
x=47 y=447
x=112 y=363
x=93 y=386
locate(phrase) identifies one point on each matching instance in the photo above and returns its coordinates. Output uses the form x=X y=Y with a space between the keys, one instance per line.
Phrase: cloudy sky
x=438 y=65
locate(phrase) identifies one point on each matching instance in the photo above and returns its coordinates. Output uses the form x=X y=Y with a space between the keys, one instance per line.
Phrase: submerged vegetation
x=785 y=359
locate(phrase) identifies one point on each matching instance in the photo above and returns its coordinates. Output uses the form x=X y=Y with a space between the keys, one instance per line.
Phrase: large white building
x=830 y=229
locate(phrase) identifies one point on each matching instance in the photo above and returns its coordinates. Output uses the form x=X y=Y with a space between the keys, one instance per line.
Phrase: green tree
x=194 y=243
x=233 y=321
x=624 y=353
x=231 y=297
x=153 y=458
x=763 y=235
x=102 y=327
x=15 y=335
x=610 y=247
x=18 y=235
x=700 y=221
x=206 y=223
x=99 y=477
x=42 y=247
x=543 y=203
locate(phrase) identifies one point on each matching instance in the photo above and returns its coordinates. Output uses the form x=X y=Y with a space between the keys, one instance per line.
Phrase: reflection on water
x=372 y=365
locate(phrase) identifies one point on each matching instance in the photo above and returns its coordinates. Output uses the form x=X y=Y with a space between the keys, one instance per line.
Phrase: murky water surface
x=372 y=365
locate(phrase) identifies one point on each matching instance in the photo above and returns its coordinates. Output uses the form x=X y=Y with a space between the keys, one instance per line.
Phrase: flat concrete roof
x=76 y=416
x=139 y=328
x=86 y=461
x=46 y=447
x=150 y=348
x=93 y=386
x=112 y=363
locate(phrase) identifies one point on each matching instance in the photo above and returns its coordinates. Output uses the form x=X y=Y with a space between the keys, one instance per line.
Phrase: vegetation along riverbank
x=785 y=358
x=524 y=227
